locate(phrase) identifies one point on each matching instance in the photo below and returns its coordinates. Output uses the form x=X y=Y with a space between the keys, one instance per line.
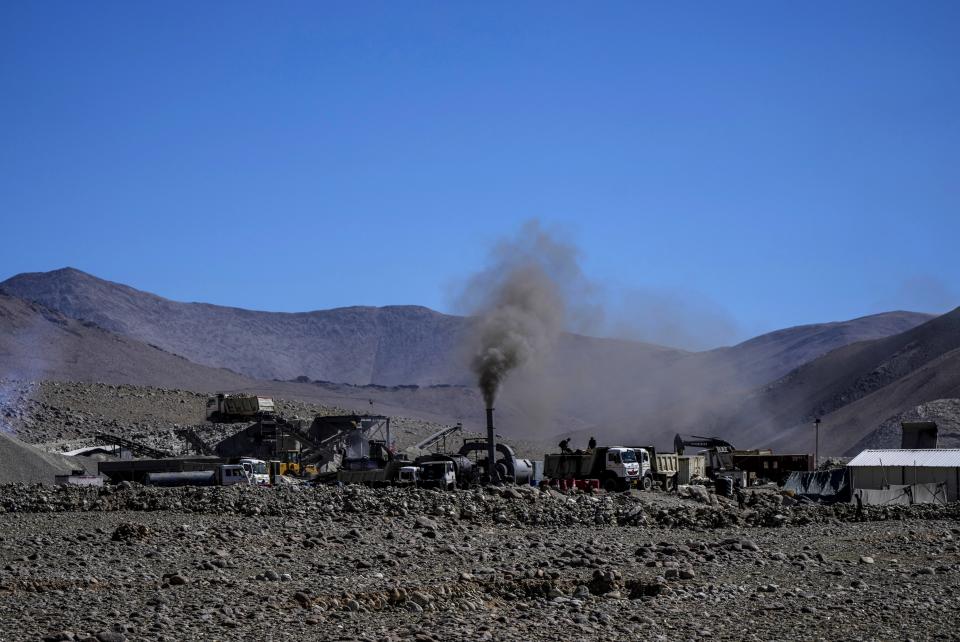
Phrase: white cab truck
x=257 y=470
x=438 y=474
x=408 y=476
x=657 y=467
x=616 y=467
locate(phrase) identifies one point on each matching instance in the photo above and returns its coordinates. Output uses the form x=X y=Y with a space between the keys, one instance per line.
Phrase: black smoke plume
x=519 y=304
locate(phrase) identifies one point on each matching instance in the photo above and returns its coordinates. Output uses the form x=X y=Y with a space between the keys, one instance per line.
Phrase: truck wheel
x=646 y=483
x=611 y=484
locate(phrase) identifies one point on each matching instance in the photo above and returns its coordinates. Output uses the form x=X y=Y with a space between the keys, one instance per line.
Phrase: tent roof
x=938 y=458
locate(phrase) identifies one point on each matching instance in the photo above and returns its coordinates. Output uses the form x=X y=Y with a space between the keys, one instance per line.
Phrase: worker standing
x=592 y=444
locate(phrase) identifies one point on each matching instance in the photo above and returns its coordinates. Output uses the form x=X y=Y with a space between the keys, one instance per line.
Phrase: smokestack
x=491 y=449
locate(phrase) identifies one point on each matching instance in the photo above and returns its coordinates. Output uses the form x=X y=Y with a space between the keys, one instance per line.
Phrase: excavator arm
x=679 y=443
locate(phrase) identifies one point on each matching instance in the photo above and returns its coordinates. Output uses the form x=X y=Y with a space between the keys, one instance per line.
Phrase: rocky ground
x=298 y=562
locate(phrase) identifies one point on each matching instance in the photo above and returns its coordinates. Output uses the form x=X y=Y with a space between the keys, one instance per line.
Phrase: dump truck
x=224 y=408
x=616 y=467
x=658 y=467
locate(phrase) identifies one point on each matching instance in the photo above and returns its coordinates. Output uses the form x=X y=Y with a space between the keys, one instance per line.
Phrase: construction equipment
x=132 y=447
x=719 y=454
x=376 y=466
x=257 y=470
x=195 y=441
x=441 y=434
x=679 y=443
x=657 y=467
x=221 y=475
x=224 y=408
x=508 y=469
x=616 y=467
x=749 y=466
x=441 y=470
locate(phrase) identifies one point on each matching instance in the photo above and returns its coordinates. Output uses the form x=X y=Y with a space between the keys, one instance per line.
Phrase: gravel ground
x=294 y=563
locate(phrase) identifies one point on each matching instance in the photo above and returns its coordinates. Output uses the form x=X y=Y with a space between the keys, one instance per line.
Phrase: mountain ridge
x=612 y=386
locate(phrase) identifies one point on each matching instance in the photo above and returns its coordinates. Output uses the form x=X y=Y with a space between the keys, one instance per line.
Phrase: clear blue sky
x=780 y=163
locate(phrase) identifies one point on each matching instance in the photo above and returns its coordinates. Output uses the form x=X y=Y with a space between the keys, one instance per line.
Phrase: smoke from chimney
x=519 y=305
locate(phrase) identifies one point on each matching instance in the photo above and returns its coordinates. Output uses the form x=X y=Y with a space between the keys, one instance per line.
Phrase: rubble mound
x=26 y=464
x=516 y=507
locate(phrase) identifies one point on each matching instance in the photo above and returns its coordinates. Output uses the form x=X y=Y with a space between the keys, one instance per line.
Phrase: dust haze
x=528 y=303
x=520 y=305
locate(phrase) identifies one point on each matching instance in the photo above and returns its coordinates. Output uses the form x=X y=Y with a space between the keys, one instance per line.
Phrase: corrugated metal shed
x=939 y=458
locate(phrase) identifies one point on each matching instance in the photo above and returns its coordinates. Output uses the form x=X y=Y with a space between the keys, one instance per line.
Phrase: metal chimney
x=491 y=449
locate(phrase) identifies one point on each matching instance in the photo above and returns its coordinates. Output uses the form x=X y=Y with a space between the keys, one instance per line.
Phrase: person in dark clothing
x=565 y=446
x=591 y=444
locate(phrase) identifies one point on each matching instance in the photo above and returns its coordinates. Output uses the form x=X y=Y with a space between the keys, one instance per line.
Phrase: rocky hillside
x=857 y=388
x=359 y=345
x=773 y=355
x=398 y=344
x=38 y=343
x=858 y=373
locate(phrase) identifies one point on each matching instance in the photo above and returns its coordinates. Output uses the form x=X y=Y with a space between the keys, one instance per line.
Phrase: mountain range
x=855 y=374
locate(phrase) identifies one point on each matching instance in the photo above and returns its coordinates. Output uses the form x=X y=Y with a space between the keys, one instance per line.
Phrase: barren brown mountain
x=409 y=360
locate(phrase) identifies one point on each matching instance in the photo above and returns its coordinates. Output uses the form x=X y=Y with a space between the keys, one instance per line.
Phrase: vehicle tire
x=646 y=483
x=611 y=484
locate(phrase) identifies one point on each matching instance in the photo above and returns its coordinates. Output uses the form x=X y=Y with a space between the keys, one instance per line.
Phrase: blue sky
x=759 y=164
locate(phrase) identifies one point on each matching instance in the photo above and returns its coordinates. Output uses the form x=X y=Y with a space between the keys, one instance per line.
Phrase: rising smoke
x=519 y=303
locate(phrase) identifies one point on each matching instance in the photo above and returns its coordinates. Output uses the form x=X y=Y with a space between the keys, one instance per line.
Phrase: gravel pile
x=20 y=462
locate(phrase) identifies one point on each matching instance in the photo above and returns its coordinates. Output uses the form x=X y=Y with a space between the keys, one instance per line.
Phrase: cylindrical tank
x=522 y=471
x=188 y=478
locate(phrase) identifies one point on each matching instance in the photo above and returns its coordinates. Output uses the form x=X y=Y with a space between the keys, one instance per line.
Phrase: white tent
x=887 y=469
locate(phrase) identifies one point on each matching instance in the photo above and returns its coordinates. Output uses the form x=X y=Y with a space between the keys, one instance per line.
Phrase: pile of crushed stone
x=24 y=463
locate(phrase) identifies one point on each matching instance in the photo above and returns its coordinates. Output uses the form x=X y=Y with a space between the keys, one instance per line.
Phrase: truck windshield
x=434 y=470
x=260 y=468
x=629 y=457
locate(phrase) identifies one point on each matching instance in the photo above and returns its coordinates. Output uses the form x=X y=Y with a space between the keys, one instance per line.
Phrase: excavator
x=719 y=452
x=750 y=466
